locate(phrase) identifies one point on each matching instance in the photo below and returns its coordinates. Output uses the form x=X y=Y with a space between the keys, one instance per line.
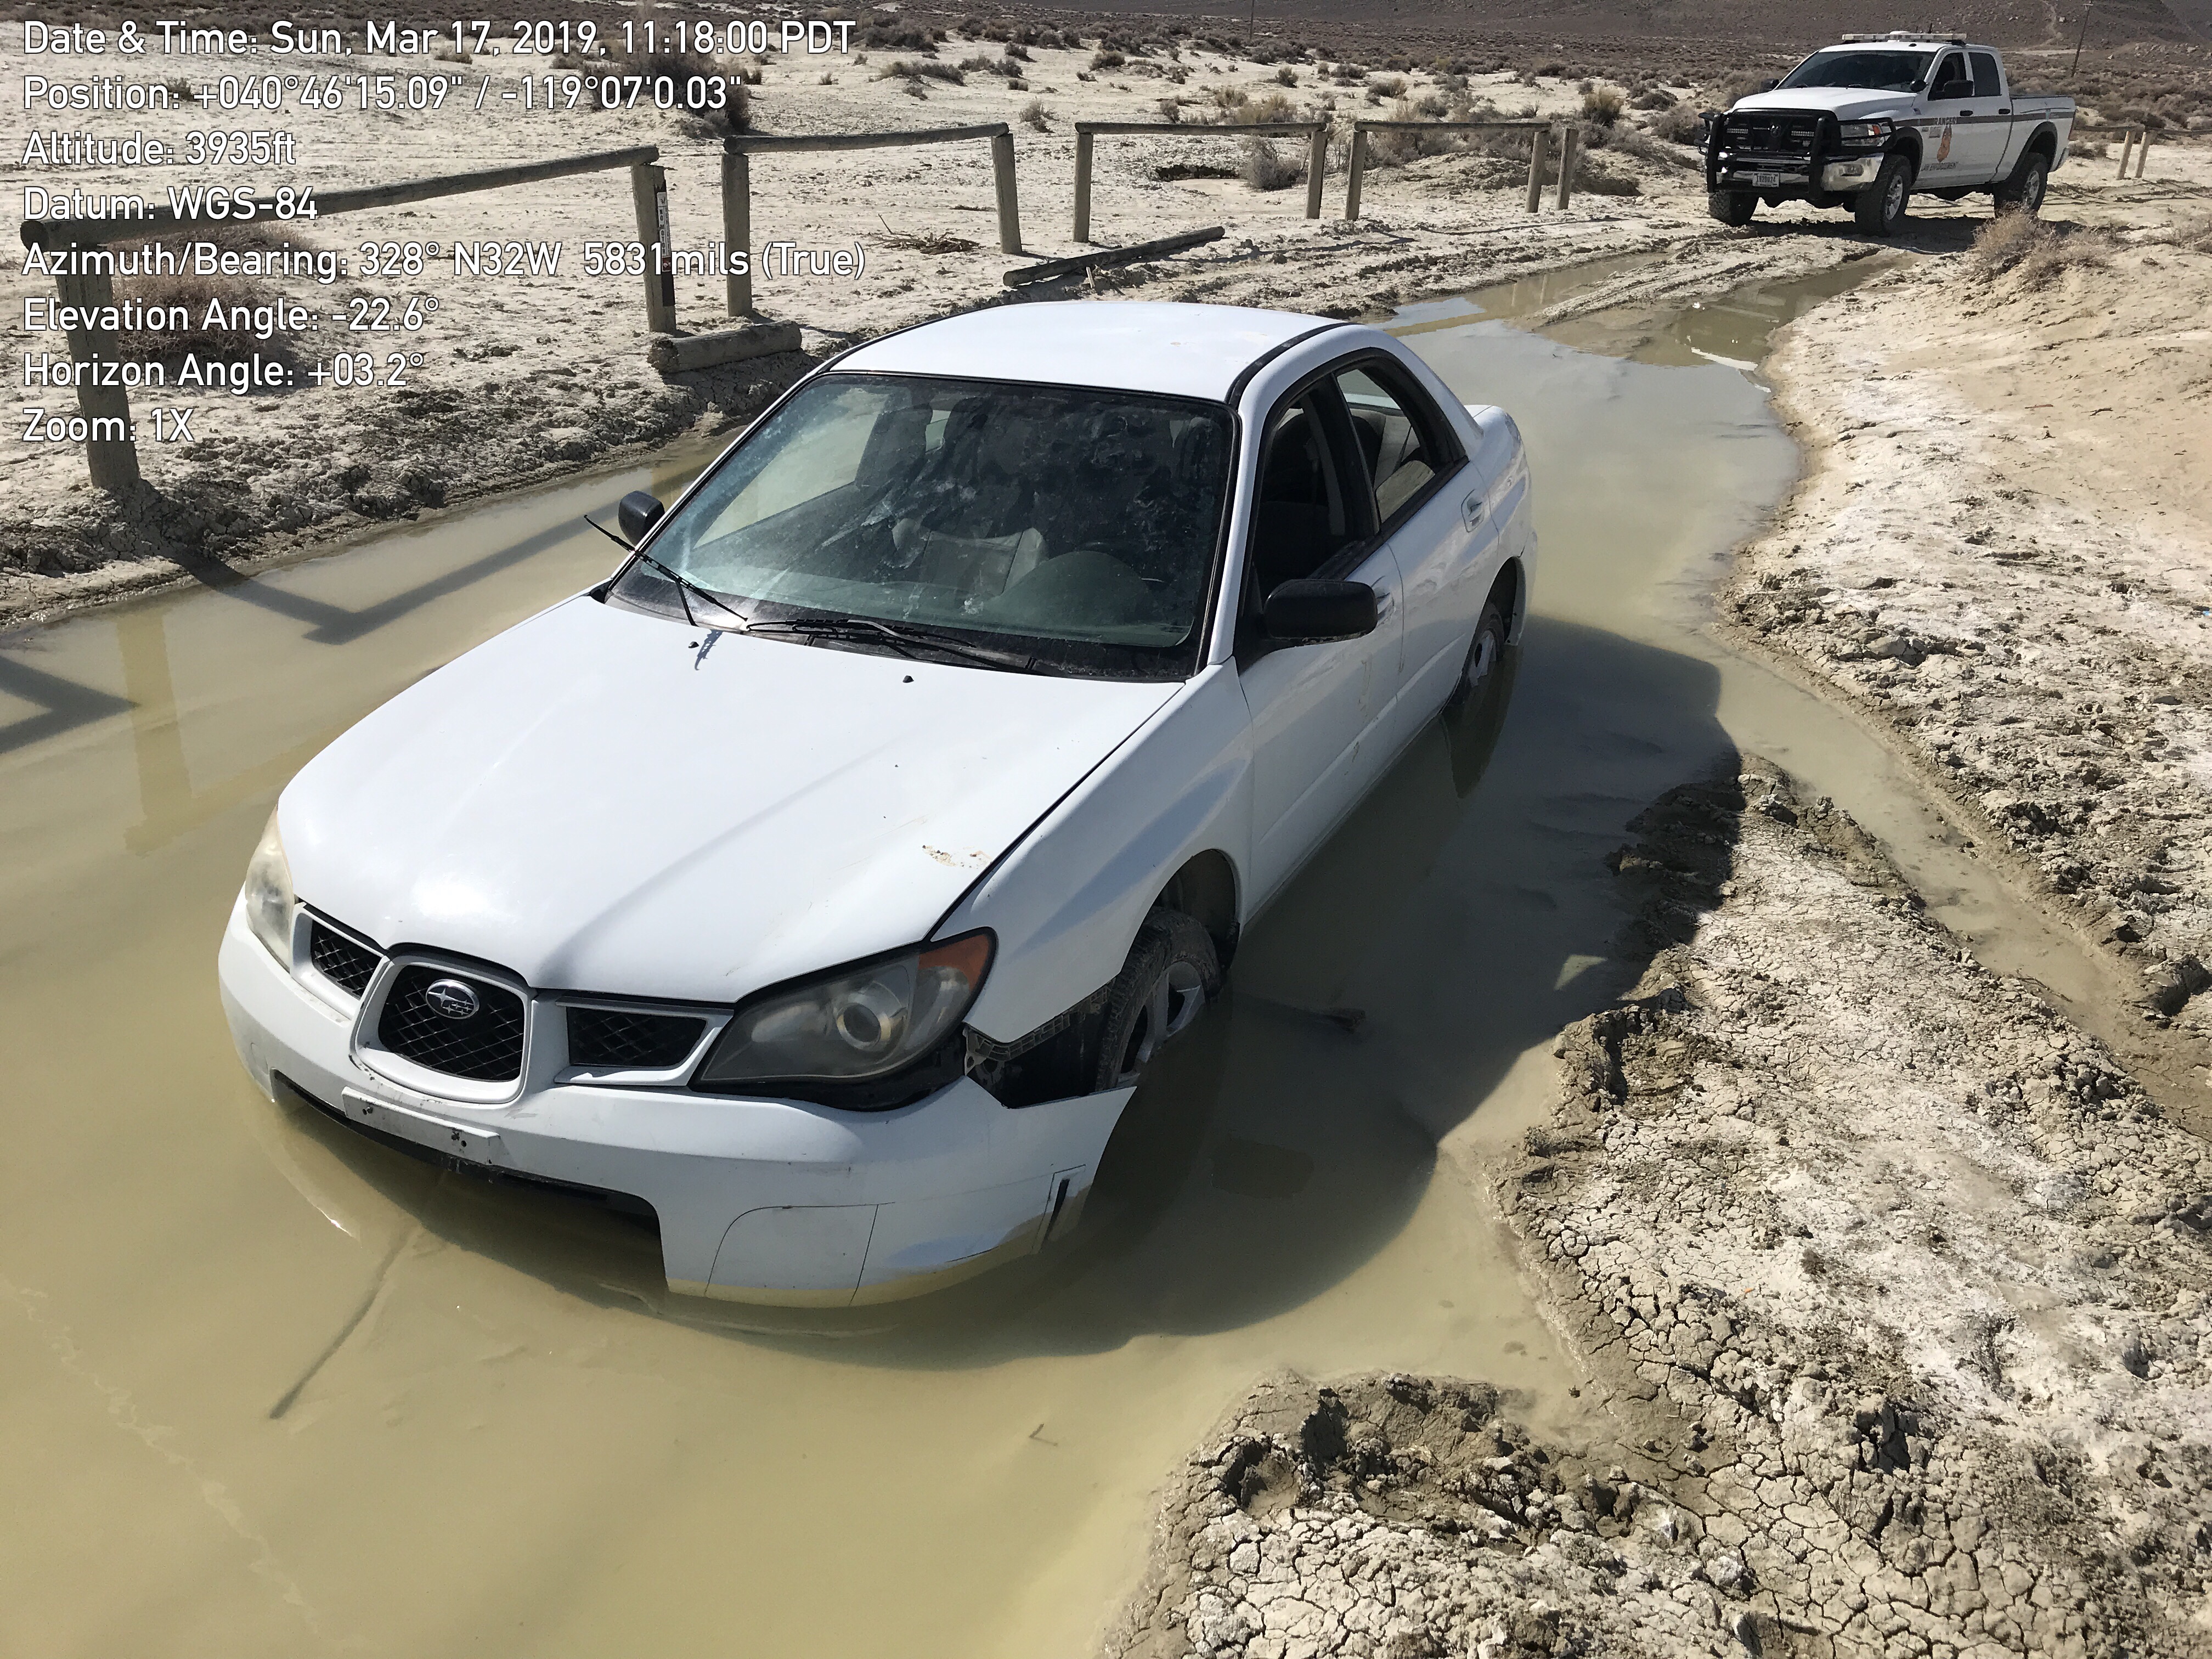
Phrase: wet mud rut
x=282 y=1390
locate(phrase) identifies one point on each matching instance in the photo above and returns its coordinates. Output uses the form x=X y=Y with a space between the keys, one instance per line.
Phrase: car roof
x=1125 y=345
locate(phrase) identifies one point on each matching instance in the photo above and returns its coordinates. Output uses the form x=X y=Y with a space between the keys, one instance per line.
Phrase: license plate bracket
x=464 y=1141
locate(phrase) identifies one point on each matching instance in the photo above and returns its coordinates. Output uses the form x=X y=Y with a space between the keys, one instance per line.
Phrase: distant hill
x=2001 y=22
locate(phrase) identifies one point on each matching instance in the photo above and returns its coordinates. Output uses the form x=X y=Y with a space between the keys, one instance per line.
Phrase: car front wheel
x=1172 y=972
x=1881 y=207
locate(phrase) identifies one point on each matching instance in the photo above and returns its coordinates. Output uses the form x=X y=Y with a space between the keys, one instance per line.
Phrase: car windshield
x=1075 y=529
x=1883 y=72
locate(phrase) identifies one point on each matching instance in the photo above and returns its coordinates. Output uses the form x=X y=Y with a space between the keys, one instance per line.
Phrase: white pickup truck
x=1867 y=123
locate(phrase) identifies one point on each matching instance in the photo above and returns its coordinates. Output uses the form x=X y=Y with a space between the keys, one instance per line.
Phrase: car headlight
x=866 y=1020
x=1866 y=132
x=269 y=901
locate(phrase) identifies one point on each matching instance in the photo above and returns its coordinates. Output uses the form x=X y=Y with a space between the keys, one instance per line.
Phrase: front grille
x=1779 y=136
x=486 y=1046
x=339 y=959
x=614 y=1037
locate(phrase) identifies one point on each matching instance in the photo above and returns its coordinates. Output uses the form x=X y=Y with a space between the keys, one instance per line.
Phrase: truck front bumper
x=758 y=1200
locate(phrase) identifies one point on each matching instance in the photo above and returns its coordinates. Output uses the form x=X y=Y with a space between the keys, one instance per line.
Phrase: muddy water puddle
x=278 y=1390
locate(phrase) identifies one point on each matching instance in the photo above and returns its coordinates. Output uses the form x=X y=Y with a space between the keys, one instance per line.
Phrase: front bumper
x=758 y=1200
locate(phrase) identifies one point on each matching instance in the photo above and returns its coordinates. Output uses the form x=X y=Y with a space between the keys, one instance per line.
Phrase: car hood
x=589 y=802
x=1845 y=103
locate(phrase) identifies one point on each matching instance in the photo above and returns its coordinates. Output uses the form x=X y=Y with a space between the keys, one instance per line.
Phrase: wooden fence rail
x=111 y=454
x=1314 y=132
x=1538 y=150
x=739 y=148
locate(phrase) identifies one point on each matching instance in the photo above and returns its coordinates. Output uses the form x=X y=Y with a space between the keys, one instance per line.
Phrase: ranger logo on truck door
x=1943 y=150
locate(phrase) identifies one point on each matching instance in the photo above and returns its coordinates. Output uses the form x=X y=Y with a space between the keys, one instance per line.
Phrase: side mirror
x=637 y=514
x=1307 y=612
x=1768 y=86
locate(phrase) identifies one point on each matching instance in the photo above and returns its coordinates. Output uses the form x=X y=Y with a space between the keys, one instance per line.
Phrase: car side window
x=1307 y=508
x=1953 y=68
x=1403 y=439
x=1986 y=83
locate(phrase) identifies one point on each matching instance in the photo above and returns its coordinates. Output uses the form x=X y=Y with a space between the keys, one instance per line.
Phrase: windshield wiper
x=904 y=635
x=685 y=585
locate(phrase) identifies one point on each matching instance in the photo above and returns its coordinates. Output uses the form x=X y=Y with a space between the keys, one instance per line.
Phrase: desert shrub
x=1036 y=115
x=1264 y=167
x=1104 y=59
x=903 y=68
x=2092 y=148
x=1387 y=86
x=1287 y=76
x=1602 y=106
x=1017 y=52
x=1228 y=97
x=220 y=344
x=2036 y=253
x=1644 y=147
x=1264 y=111
x=1741 y=85
x=887 y=32
x=2195 y=233
x=1679 y=125
x=1553 y=70
x=1653 y=98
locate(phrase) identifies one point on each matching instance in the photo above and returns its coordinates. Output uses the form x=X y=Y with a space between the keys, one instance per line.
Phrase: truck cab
x=1866 y=123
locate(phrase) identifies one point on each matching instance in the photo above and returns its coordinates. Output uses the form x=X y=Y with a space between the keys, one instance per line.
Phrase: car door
x=1994 y=139
x=1948 y=140
x=1430 y=503
x=1313 y=708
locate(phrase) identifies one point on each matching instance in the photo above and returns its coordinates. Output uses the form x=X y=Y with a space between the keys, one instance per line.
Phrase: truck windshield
x=1877 y=71
x=1074 y=528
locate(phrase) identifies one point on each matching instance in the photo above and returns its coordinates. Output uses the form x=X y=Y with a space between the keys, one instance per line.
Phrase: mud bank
x=1889 y=1281
x=2001 y=555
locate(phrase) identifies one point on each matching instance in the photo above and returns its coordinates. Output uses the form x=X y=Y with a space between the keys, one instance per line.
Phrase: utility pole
x=2081 y=34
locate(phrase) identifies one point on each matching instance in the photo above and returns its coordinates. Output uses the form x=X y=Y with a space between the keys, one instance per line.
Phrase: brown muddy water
x=272 y=1390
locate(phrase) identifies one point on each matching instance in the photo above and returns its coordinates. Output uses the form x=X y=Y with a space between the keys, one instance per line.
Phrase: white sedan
x=827 y=877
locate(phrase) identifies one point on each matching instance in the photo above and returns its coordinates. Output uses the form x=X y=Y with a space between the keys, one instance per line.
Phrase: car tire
x=1484 y=670
x=2025 y=189
x=1172 y=973
x=1731 y=207
x=1880 y=208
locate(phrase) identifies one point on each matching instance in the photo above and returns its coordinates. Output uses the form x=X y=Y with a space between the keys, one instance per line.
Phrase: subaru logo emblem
x=455 y=998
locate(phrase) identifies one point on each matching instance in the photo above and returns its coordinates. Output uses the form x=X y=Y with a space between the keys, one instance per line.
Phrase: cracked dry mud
x=1890 y=1283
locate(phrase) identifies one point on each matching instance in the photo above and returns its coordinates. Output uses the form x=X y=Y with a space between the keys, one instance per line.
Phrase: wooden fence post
x=648 y=187
x=2127 y=143
x=110 y=453
x=1540 y=146
x=1082 y=187
x=1355 y=170
x=737 y=229
x=2143 y=153
x=1316 y=169
x=1570 y=142
x=1010 y=206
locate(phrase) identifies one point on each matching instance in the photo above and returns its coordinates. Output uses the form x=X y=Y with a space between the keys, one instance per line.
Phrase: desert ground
x=1885 y=1276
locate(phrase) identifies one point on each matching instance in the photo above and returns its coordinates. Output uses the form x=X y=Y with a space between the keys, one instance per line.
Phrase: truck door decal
x=1943 y=150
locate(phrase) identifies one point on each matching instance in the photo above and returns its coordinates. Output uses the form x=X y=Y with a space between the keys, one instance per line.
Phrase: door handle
x=1470 y=511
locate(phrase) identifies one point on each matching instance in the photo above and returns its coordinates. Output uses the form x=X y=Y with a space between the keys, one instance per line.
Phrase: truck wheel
x=1880 y=206
x=2024 y=190
x=1731 y=207
x=1172 y=973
